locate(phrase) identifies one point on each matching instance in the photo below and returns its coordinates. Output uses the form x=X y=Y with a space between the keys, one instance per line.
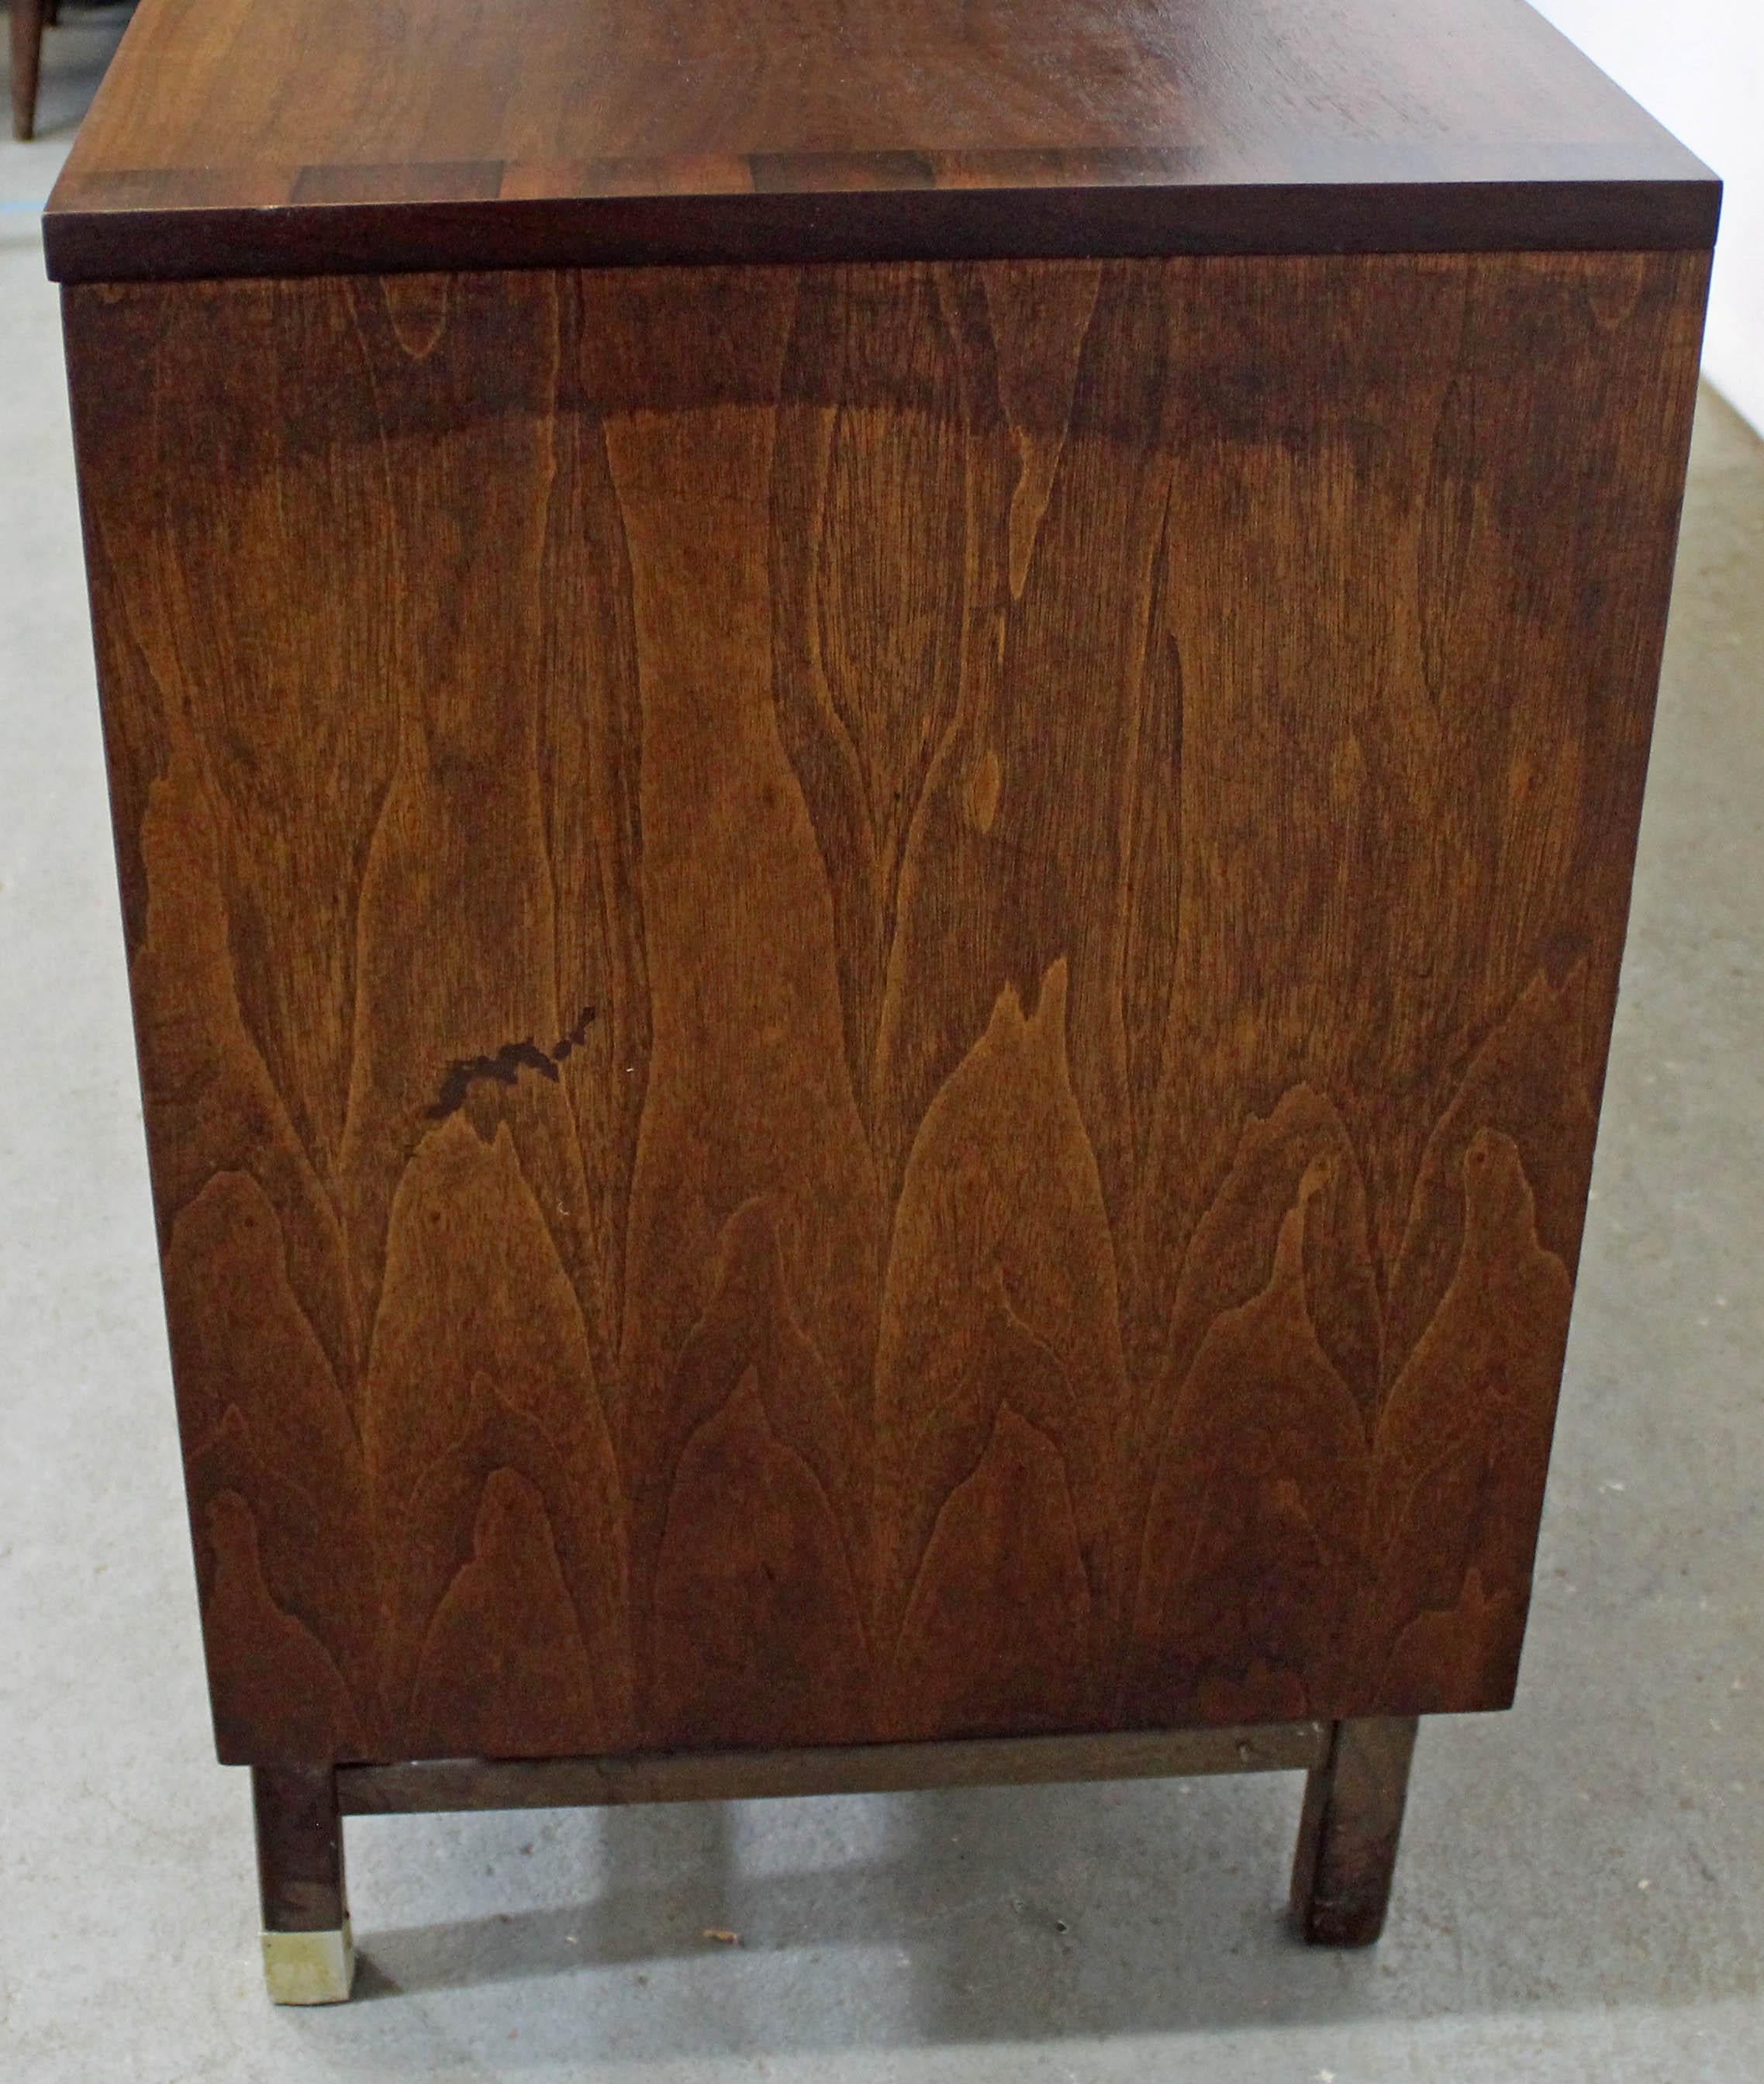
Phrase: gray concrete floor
x=1582 y=1890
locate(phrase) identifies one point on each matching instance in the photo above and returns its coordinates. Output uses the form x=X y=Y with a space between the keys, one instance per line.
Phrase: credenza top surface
x=242 y=136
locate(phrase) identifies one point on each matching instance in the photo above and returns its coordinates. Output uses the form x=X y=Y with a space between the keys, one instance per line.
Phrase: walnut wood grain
x=240 y=137
x=872 y=1000
x=438 y=1784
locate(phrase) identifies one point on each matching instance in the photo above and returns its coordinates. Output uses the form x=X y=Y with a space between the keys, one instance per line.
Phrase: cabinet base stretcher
x=1357 y=1781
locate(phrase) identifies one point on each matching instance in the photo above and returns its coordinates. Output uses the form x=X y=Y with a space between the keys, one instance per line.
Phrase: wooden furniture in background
x=875 y=819
x=25 y=26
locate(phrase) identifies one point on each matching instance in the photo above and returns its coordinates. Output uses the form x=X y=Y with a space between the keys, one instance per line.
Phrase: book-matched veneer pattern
x=873 y=999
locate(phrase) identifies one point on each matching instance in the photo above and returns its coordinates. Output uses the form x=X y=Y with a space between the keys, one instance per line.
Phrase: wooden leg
x=1348 y=1833
x=27 y=59
x=308 y=1953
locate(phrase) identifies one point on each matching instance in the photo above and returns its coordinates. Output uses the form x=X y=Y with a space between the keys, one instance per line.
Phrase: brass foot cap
x=309 y=1968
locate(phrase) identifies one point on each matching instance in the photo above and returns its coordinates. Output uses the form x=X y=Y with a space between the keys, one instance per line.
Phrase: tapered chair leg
x=308 y=1951
x=1348 y=1833
x=27 y=16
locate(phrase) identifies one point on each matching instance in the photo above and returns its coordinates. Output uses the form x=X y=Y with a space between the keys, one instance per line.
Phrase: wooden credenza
x=875 y=773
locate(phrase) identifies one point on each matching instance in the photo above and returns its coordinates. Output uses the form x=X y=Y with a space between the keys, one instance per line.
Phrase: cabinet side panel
x=871 y=1000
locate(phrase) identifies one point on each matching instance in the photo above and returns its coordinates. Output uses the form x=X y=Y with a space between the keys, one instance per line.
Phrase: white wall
x=1698 y=65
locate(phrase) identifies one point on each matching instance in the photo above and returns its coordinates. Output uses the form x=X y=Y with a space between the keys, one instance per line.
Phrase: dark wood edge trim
x=457 y=1784
x=171 y=243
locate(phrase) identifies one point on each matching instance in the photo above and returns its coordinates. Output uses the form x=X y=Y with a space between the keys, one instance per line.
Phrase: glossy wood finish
x=872 y=1000
x=1349 y=1831
x=459 y=1783
x=317 y=136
